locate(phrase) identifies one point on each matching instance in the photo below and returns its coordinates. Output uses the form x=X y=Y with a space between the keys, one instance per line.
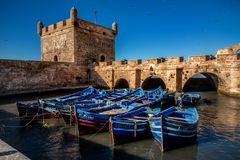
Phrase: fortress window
x=102 y=58
x=55 y=58
x=104 y=33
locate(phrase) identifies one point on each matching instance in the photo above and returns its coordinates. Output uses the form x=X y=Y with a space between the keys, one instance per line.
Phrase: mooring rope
x=93 y=135
x=26 y=123
x=11 y=118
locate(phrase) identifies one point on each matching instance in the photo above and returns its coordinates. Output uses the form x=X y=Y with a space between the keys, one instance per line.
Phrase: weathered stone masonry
x=67 y=48
x=224 y=69
x=76 y=40
x=28 y=76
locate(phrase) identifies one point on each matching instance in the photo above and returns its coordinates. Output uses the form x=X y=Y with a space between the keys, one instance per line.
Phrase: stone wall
x=57 y=42
x=224 y=70
x=29 y=76
x=92 y=42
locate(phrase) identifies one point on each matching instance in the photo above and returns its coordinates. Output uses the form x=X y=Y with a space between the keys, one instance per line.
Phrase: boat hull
x=32 y=113
x=92 y=126
x=68 y=119
x=129 y=131
x=173 y=132
x=173 y=141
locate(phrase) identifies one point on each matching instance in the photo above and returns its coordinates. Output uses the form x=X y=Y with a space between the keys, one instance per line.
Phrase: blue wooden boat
x=68 y=111
x=72 y=98
x=27 y=111
x=47 y=109
x=127 y=97
x=95 y=100
x=78 y=95
x=63 y=107
x=168 y=100
x=117 y=92
x=96 y=119
x=174 y=127
x=190 y=99
x=130 y=126
x=133 y=125
x=181 y=99
x=32 y=112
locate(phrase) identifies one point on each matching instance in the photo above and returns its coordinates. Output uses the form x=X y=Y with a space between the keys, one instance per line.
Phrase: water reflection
x=220 y=119
x=190 y=153
x=218 y=137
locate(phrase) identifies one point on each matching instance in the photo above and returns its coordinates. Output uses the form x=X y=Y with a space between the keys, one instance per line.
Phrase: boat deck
x=114 y=111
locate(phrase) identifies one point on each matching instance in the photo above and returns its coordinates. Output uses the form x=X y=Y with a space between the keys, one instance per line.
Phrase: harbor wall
x=31 y=76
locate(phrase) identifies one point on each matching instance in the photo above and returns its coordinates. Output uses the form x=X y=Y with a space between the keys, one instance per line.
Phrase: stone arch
x=55 y=59
x=202 y=81
x=121 y=83
x=153 y=82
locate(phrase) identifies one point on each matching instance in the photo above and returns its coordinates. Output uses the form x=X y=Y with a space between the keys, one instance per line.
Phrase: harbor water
x=218 y=136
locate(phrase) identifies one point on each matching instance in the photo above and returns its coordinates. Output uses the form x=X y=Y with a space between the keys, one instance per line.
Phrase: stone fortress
x=79 y=41
x=75 y=52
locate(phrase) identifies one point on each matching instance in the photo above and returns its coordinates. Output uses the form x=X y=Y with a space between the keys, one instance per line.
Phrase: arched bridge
x=222 y=71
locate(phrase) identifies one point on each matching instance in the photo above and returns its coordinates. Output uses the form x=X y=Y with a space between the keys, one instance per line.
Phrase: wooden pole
x=111 y=130
x=162 y=148
x=76 y=122
x=135 y=129
x=70 y=115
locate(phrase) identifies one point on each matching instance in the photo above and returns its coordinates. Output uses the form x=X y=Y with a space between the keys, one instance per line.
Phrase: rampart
x=28 y=76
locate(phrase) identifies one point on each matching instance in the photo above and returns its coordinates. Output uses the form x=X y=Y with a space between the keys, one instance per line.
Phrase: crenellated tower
x=76 y=40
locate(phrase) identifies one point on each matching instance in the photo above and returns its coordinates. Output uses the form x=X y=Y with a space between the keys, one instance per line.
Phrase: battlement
x=80 y=24
x=119 y=63
x=89 y=27
x=171 y=60
x=134 y=62
x=84 y=26
x=174 y=60
x=152 y=61
x=193 y=59
x=56 y=27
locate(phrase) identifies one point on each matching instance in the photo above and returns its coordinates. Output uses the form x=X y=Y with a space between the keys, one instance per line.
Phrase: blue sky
x=147 y=28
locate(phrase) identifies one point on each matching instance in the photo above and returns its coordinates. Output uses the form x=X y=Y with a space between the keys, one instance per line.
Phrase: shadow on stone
x=7 y=153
